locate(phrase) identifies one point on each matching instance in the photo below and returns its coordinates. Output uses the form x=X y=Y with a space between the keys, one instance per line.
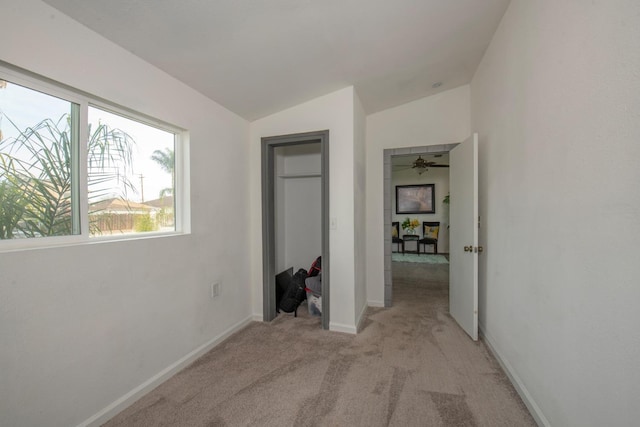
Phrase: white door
x=463 y=245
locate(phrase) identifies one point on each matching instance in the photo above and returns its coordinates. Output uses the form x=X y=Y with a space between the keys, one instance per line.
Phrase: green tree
x=11 y=209
x=144 y=222
x=36 y=170
x=167 y=160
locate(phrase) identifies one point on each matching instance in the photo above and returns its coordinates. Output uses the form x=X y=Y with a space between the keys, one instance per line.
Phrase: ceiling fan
x=421 y=165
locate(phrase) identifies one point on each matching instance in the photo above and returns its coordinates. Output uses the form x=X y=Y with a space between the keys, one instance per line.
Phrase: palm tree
x=167 y=160
x=11 y=209
x=36 y=172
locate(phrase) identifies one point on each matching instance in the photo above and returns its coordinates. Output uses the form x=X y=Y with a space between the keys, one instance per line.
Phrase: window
x=131 y=188
x=36 y=174
x=118 y=181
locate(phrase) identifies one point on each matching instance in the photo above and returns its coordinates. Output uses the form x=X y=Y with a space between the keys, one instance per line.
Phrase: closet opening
x=295 y=212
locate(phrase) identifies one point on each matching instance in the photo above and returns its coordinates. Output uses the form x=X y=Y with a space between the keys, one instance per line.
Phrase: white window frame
x=181 y=199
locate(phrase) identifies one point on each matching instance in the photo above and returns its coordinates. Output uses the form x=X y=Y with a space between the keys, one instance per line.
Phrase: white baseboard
x=375 y=304
x=360 y=317
x=339 y=327
x=258 y=318
x=526 y=397
x=123 y=402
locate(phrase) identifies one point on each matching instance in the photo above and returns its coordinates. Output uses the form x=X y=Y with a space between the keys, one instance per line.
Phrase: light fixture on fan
x=422 y=165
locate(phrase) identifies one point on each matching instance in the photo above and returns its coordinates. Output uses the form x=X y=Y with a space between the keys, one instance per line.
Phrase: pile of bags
x=292 y=290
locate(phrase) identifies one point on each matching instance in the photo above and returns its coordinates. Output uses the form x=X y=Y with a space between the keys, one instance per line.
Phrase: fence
x=112 y=223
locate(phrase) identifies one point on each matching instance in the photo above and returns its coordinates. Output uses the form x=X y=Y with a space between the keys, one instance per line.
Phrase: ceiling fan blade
x=420 y=164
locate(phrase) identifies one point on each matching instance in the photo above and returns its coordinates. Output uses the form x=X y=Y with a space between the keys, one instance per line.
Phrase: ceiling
x=260 y=57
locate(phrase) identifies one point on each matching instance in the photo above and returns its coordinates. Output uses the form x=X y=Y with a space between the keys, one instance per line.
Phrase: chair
x=430 y=231
x=395 y=235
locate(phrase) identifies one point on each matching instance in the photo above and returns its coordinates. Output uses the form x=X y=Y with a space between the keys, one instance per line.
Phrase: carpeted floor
x=410 y=365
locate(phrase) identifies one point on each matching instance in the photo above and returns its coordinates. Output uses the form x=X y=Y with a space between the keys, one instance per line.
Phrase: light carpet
x=419 y=258
x=410 y=365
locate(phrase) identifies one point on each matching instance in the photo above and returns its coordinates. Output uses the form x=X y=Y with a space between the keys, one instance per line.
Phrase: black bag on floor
x=283 y=280
x=295 y=293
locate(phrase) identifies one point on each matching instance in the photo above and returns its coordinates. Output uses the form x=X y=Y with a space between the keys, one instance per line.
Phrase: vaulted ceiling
x=259 y=57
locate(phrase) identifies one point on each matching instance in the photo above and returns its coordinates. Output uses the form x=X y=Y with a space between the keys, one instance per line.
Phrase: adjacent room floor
x=410 y=365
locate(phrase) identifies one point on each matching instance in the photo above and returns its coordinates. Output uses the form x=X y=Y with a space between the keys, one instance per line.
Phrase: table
x=411 y=238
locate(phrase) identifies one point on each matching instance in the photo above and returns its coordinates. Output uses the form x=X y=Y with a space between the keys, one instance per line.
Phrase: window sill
x=19 y=245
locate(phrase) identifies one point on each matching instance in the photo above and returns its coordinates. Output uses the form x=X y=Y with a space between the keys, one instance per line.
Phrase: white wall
x=360 y=213
x=438 y=119
x=556 y=102
x=299 y=207
x=83 y=325
x=303 y=222
x=334 y=112
x=437 y=176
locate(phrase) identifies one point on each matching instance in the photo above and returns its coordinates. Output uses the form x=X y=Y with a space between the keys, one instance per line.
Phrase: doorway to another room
x=420 y=237
x=417 y=218
x=464 y=222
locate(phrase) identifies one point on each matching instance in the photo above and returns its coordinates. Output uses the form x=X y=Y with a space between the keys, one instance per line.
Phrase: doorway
x=389 y=193
x=273 y=224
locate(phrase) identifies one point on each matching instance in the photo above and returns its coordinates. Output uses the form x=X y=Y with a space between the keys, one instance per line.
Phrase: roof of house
x=118 y=205
x=162 y=202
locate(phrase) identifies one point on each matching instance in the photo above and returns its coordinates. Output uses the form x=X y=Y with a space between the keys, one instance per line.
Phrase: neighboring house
x=118 y=215
x=165 y=215
x=118 y=206
x=165 y=202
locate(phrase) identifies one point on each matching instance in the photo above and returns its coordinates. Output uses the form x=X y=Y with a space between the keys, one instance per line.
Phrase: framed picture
x=415 y=199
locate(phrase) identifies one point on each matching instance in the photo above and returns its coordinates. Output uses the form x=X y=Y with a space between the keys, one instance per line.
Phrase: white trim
x=52 y=242
x=526 y=397
x=43 y=85
x=83 y=169
x=375 y=304
x=258 y=317
x=361 y=317
x=129 y=398
x=340 y=327
x=133 y=115
x=182 y=183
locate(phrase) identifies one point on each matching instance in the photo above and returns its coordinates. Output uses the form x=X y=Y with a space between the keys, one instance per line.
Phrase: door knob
x=468 y=248
x=480 y=249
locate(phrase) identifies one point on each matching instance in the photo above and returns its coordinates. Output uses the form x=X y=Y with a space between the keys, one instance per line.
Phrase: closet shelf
x=300 y=175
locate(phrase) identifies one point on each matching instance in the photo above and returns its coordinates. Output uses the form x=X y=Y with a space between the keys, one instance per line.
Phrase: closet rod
x=302 y=175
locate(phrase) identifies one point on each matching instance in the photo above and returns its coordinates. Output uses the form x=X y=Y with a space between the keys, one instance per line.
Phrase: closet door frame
x=268 y=217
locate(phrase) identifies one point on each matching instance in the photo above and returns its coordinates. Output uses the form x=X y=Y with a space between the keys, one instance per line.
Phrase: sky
x=148 y=139
x=26 y=107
